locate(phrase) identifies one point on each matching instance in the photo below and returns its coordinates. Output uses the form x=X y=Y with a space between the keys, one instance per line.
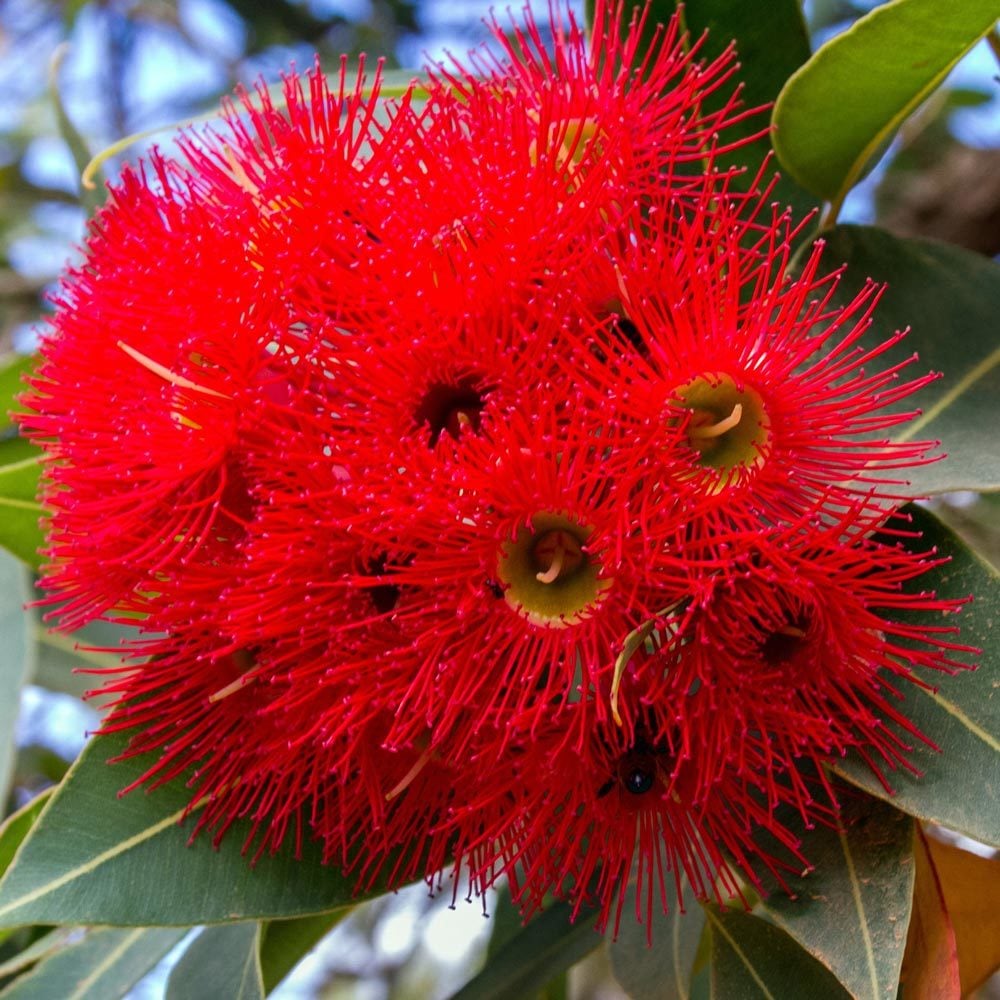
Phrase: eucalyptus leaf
x=950 y=298
x=754 y=960
x=104 y=965
x=20 y=531
x=770 y=49
x=538 y=953
x=862 y=885
x=49 y=943
x=664 y=967
x=961 y=714
x=16 y=826
x=837 y=111
x=13 y=368
x=17 y=657
x=220 y=962
x=284 y=943
x=128 y=861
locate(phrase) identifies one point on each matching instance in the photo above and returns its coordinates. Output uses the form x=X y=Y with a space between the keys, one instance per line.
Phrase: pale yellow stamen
x=185 y=421
x=718 y=429
x=240 y=682
x=409 y=776
x=792 y=630
x=633 y=641
x=565 y=553
x=552 y=573
x=165 y=373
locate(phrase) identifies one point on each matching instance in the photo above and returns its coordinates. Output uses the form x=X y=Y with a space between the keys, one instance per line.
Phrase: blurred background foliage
x=129 y=66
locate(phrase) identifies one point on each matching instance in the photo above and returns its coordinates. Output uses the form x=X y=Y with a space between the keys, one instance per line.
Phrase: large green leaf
x=771 y=48
x=649 y=973
x=220 y=962
x=128 y=862
x=17 y=653
x=852 y=911
x=754 y=960
x=284 y=943
x=841 y=108
x=539 y=952
x=105 y=965
x=951 y=299
x=20 y=533
x=958 y=788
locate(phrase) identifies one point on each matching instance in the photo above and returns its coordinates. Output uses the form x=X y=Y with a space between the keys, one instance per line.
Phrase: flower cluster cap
x=490 y=491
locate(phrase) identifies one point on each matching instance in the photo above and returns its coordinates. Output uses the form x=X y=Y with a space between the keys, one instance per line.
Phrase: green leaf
x=16 y=826
x=851 y=912
x=505 y=919
x=649 y=973
x=958 y=788
x=951 y=299
x=538 y=953
x=13 y=367
x=20 y=532
x=284 y=943
x=770 y=49
x=17 y=657
x=105 y=965
x=220 y=962
x=55 y=940
x=127 y=861
x=846 y=102
x=754 y=960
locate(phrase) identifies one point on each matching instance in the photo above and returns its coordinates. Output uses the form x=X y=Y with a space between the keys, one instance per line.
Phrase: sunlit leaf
x=846 y=102
x=20 y=532
x=13 y=368
x=284 y=943
x=16 y=826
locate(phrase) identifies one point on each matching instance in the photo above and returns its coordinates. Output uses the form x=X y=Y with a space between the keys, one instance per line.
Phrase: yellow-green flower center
x=729 y=427
x=549 y=575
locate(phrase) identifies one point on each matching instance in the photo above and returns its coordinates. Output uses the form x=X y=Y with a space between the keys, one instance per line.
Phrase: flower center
x=783 y=645
x=547 y=573
x=384 y=596
x=451 y=407
x=558 y=554
x=728 y=427
x=637 y=773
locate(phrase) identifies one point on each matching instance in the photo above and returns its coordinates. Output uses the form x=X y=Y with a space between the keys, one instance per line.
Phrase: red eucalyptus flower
x=800 y=639
x=151 y=357
x=751 y=394
x=488 y=490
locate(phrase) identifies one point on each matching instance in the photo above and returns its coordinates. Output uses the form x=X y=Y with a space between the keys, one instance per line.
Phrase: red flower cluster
x=489 y=489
